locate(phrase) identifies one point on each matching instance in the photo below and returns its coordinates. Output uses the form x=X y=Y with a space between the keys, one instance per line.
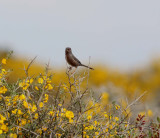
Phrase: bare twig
x=29 y=65
x=136 y=100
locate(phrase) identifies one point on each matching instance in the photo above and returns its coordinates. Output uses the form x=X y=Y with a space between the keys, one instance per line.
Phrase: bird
x=72 y=60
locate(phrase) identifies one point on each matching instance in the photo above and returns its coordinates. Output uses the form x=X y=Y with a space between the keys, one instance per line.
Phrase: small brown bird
x=72 y=60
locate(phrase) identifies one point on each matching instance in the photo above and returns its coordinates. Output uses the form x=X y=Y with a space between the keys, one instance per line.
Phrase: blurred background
x=121 y=37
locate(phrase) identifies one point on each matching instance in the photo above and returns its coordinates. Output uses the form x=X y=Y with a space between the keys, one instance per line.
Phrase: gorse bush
x=35 y=107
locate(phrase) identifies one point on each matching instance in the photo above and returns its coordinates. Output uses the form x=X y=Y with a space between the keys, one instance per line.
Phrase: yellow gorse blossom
x=45 y=98
x=4 y=127
x=40 y=104
x=19 y=112
x=89 y=117
x=3 y=89
x=25 y=83
x=116 y=119
x=34 y=108
x=70 y=116
x=2 y=119
x=23 y=122
x=1 y=75
x=36 y=88
x=13 y=135
x=150 y=113
x=65 y=87
x=49 y=87
x=36 y=115
x=22 y=97
x=51 y=113
x=117 y=107
x=58 y=135
x=25 y=104
x=40 y=80
x=4 y=61
x=4 y=72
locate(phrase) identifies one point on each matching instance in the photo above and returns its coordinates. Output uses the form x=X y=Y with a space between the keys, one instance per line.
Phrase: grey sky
x=122 y=33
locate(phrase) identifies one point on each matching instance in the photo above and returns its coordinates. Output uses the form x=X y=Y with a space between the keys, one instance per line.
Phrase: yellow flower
x=65 y=87
x=19 y=112
x=51 y=113
x=14 y=111
x=36 y=88
x=2 y=119
x=70 y=120
x=1 y=75
x=30 y=81
x=21 y=84
x=25 y=104
x=23 y=122
x=44 y=128
x=105 y=115
x=46 y=98
x=62 y=114
x=3 y=89
x=34 y=108
x=40 y=80
x=96 y=123
x=69 y=114
x=150 y=113
x=60 y=105
x=49 y=87
x=58 y=135
x=36 y=115
x=89 y=117
x=63 y=110
x=49 y=81
x=4 y=127
x=24 y=84
x=90 y=127
x=4 y=61
x=13 y=135
x=22 y=97
x=116 y=119
x=41 y=105
x=15 y=98
x=4 y=72
x=142 y=113
x=117 y=106
x=96 y=133
x=1 y=131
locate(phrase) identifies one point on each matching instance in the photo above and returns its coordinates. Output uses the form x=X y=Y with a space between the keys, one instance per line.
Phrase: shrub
x=34 y=107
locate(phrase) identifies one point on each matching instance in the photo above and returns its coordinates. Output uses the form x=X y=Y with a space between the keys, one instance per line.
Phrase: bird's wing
x=76 y=59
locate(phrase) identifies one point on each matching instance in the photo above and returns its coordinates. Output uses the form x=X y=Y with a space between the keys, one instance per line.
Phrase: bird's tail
x=87 y=67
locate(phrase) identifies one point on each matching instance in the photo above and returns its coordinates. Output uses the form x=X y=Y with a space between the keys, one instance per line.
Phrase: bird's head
x=68 y=50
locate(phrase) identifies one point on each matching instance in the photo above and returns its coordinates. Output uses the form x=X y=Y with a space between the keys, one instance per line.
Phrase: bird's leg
x=70 y=68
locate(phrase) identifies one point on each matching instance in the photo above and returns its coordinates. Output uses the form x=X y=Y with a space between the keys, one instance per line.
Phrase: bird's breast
x=71 y=60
